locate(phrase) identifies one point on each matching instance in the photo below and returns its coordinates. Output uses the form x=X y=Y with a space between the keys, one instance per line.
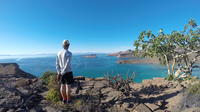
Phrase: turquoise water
x=91 y=67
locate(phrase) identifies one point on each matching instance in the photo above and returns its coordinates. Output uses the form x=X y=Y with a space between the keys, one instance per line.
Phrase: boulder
x=21 y=82
x=127 y=105
x=50 y=109
x=89 y=79
x=3 y=110
x=152 y=106
x=36 y=109
x=100 y=84
x=100 y=79
x=106 y=90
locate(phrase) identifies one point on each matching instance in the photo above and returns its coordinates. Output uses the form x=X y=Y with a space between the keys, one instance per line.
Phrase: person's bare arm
x=58 y=77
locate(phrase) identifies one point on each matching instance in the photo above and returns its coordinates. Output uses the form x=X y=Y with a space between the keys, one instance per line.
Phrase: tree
x=179 y=49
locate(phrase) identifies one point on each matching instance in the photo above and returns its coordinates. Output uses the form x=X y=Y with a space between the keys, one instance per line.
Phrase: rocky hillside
x=12 y=69
x=123 y=54
x=19 y=91
x=22 y=92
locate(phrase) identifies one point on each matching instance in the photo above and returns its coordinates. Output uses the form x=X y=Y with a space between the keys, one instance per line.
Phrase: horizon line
x=25 y=54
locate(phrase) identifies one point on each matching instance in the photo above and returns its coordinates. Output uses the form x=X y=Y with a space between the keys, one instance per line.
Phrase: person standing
x=64 y=71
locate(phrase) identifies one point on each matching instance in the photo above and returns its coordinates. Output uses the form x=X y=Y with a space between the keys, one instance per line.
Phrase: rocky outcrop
x=13 y=70
x=123 y=54
x=155 y=95
x=20 y=93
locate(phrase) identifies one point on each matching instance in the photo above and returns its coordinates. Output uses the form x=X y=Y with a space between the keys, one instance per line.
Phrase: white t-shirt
x=63 y=61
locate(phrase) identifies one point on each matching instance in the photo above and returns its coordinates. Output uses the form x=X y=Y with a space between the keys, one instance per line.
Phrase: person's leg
x=63 y=92
x=68 y=92
x=63 y=88
x=68 y=85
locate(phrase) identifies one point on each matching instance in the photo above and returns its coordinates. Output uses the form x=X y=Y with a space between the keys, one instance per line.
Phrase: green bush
x=52 y=83
x=195 y=88
x=46 y=76
x=53 y=95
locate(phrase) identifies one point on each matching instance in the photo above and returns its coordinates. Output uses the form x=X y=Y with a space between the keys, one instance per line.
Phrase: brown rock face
x=8 y=68
x=19 y=91
x=14 y=70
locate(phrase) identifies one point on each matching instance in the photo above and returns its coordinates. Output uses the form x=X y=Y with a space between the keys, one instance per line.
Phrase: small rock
x=117 y=108
x=34 y=80
x=100 y=84
x=24 y=91
x=106 y=90
x=22 y=82
x=142 y=108
x=21 y=110
x=50 y=109
x=89 y=79
x=109 y=99
x=111 y=96
x=44 y=102
x=99 y=79
x=179 y=86
x=88 y=83
x=152 y=106
x=194 y=109
x=11 y=110
x=126 y=105
x=3 y=110
x=36 y=109
x=84 y=91
x=118 y=102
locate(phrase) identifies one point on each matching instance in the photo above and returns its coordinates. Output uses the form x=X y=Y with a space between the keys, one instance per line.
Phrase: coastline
x=139 y=61
x=127 y=57
x=155 y=94
x=94 y=67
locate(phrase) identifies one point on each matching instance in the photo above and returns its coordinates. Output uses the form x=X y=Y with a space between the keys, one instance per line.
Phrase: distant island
x=90 y=56
x=128 y=57
x=123 y=54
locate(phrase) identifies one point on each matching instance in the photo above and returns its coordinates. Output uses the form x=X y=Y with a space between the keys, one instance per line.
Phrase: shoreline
x=103 y=94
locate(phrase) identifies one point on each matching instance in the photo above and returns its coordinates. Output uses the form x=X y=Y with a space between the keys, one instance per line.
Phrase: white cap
x=66 y=42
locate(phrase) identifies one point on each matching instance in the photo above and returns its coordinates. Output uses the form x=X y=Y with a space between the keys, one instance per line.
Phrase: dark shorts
x=67 y=78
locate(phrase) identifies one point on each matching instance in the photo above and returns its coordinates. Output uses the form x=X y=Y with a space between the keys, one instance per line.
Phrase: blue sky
x=40 y=26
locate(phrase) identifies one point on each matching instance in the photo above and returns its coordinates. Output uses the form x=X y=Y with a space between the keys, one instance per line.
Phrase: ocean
x=100 y=66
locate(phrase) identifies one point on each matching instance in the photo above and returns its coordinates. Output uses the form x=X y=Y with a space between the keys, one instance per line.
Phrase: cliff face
x=19 y=91
x=13 y=69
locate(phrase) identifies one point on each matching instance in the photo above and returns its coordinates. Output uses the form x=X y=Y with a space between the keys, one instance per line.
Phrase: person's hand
x=58 y=77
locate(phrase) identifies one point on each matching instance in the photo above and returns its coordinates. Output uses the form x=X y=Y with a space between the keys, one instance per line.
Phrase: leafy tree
x=179 y=48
